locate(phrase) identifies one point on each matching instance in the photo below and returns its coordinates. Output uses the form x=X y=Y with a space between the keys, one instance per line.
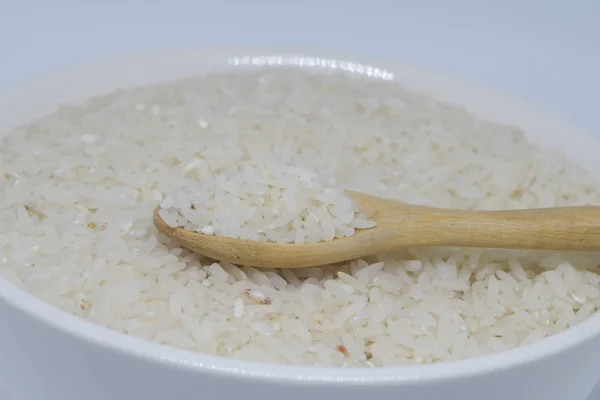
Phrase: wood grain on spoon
x=401 y=225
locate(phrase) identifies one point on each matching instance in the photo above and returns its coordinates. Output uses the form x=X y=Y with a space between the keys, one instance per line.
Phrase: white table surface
x=544 y=51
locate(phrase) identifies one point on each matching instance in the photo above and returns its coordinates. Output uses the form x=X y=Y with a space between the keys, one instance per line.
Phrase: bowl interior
x=41 y=96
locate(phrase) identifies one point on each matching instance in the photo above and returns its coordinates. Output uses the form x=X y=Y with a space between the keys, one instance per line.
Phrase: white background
x=544 y=51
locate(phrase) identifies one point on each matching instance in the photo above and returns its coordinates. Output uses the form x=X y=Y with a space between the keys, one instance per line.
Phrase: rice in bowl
x=79 y=186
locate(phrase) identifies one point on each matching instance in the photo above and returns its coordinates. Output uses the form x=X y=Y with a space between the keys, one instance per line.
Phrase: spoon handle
x=565 y=228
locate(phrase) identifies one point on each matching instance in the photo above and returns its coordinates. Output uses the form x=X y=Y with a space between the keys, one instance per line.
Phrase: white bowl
x=46 y=353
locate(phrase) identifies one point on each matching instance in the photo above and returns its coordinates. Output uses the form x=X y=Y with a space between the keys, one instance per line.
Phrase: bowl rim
x=75 y=83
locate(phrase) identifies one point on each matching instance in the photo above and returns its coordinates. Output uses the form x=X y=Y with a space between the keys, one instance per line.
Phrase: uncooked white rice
x=267 y=202
x=79 y=186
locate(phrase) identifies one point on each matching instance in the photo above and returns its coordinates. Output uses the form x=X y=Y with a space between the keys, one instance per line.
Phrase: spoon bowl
x=401 y=225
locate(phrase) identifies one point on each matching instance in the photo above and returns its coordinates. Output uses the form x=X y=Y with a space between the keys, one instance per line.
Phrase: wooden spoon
x=401 y=225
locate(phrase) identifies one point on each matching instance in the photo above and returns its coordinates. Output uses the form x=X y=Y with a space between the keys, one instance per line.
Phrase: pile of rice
x=78 y=188
x=267 y=202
